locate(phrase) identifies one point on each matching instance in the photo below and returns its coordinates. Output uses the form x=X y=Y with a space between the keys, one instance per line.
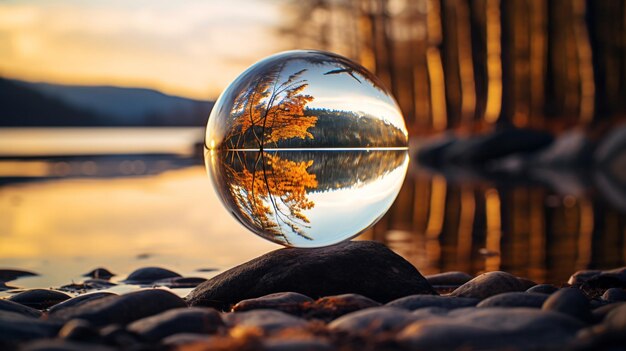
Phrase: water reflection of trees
x=270 y=190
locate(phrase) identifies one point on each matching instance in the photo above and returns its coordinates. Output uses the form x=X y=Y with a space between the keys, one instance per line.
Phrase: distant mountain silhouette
x=43 y=104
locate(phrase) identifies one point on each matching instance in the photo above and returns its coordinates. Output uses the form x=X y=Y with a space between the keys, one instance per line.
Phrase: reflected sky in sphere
x=306 y=148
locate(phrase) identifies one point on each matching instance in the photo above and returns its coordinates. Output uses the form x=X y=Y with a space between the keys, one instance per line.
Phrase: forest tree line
x=475 y=65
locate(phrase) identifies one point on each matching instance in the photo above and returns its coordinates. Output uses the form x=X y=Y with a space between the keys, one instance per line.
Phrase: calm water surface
x=62 y=215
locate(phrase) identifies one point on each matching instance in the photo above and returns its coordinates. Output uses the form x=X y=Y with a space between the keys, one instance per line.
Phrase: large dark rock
x=361 y=267
x=491 y=329
x=499 y=144
x=489 y=284
x=122 y=309
x=189 y=320
x=39 y=298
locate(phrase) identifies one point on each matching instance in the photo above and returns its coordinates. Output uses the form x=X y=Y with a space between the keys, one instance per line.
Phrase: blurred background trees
x=476 y=65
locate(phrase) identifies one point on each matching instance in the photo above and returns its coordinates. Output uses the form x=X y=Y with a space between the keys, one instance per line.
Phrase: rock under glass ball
x=306 y=148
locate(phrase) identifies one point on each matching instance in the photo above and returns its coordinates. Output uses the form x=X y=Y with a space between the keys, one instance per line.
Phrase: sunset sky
x=191 y=48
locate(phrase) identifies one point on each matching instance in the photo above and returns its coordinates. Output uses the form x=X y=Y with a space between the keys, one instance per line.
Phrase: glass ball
x=306 y=148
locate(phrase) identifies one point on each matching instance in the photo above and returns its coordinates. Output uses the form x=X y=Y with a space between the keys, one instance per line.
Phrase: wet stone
x=290 y=302
x=614 y=295
x=87 y=285
x=180 y=282
x=191 y=320
x=514 y=299
x=490 y=329
x=582 y=276
x=430 y=312
x=10 y=306
x=489 y=284
x=268 y=321
x=569 y=301
x=372 y=320
x=330 y=307
x=99 y=273
x=78 y=300
x=543 y=289
x=297 y=344
x=4 y=287
x=79 y=330
x=7 y=275
x=39 y=298
x=449 y=278
x=601 y=312
x=180 y=339
x=17 y=327
x=149 y=275
x=118 y=335
x=317 y=272
x=65 y=345
x=122 y=309
x=415 y=302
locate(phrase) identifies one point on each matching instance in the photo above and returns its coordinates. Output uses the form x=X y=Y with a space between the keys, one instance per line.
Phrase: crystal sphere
x=306 y=148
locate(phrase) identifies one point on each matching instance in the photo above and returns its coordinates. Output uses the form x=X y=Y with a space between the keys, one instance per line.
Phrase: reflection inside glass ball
x=306 y=148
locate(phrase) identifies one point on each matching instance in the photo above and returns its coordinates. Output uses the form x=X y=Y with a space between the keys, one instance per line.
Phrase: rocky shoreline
x=354 y=296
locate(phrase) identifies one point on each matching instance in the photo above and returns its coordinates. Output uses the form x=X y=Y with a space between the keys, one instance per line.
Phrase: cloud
x=186 y=47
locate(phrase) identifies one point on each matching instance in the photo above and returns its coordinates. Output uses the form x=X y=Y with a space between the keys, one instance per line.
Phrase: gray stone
x=499 y=144
x=39 y=298
x=415 y=302
x=17 y=327
x=572 y=148
x=122 y=309
x=431 y=312
x=149 y=275
x=9 y=306
x=79 y=330
x=181 y=339
x=616 y=318
x=582 y=276
x=543 y=289
x=65 y=345
x=268 y=321
x=297 y=344
x=78 y=300
x=601 y=312
x=180 y=320
x=614 y=295
x=449 y=278
x=490 y=329
x=330 y=307
x=362 y=267
x=372 y=320
x=514 y=299
x=569 y=301
x=489 y=284
x=284 y=301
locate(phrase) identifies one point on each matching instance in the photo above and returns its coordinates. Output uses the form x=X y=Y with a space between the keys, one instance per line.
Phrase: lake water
x=75 y=199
